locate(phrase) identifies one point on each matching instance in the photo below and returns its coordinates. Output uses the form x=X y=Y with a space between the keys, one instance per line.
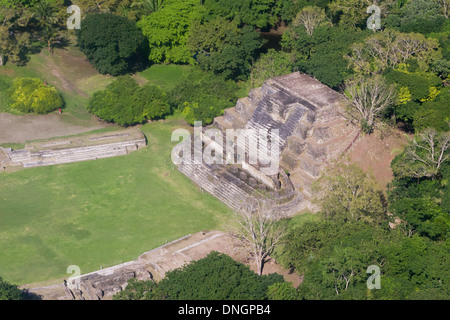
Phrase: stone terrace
x=74 y=149
x=312 y=128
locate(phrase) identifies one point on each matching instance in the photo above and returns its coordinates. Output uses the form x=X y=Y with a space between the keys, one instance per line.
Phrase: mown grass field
x=99 y=213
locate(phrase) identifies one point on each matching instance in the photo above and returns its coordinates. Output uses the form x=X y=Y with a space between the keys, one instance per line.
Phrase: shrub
x=125 y=103
x=31 y=95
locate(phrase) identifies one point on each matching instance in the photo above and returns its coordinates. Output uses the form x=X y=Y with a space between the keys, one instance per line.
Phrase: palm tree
x=50 y=34
x=148 y=6
x=45 y=13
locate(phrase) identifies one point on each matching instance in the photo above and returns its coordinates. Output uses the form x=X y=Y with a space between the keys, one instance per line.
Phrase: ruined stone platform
x=74 y=149
x=151 y=265
x=313 y=130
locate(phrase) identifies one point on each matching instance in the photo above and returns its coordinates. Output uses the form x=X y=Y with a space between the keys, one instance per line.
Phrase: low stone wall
x=68 y=151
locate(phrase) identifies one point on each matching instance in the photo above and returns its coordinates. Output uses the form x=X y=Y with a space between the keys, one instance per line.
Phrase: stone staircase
x=312 y=131
x=228 y=192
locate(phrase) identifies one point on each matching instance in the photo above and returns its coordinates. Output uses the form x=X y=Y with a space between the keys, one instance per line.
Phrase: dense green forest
x=397 y=76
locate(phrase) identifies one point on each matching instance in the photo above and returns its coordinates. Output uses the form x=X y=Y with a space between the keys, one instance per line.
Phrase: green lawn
x=165 y=76
x=99 y=213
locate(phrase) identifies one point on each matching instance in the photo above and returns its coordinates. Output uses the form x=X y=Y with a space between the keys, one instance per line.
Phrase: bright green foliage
x=423 y=204
x=269 y=65
x=167 y=31
x=415 y=268
x=282 y=291
x=256 y=13
x=202 y=96
x=125 y=103
x=333 y=257
x=347 y=193
x=30 y=95
x=111 y=43
x=215 y=277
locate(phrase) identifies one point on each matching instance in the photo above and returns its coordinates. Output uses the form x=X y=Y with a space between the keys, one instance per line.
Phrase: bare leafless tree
x=310 y=17
x=262 y=228
x=369 y=97
x=424 y=155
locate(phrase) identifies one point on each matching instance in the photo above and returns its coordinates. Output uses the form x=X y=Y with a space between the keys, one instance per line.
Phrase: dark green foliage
x=425 y=26
x=5 y=84
x=111 y=43
x=290 y=8
x=125 y=103
x=9 y=291
x=418 y=83
x=334 y=258
x=322 y=54
x=203 y=95
x=423 y=109
x=434 y=114
x=220 y=46
x=422 y=205
x=256 y=13
x=136 y=290
x=417 y=15
x=215 y=277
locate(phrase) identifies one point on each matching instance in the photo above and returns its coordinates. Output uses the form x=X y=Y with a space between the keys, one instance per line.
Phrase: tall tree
x=389 y=48
x=269 y=65
x=347 y=193
x=424 y=155
x=263 y=230
x=220 y=46
x=310 y=18
x=14 y=42
x=167 y=31
x=111 y=43
x=369 y=98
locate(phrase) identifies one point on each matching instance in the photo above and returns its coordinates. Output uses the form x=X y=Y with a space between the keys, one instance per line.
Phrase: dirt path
x=19 y=129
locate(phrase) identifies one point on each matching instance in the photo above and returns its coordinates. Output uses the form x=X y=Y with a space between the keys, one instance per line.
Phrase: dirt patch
x=374 y=153
x=20 y=129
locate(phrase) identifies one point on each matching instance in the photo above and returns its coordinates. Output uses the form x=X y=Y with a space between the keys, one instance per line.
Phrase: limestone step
x=232 y=116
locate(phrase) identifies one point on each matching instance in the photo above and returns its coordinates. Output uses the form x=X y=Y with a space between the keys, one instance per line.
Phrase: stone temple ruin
x=73 y=149
x=312 y=129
